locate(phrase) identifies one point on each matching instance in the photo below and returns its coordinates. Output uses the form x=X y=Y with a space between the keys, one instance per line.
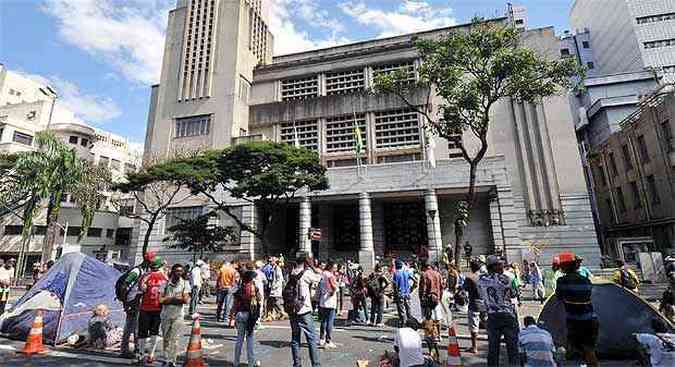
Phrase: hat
x=493 y=260
x=156 y=263
x=567 y=257
x=149 y=256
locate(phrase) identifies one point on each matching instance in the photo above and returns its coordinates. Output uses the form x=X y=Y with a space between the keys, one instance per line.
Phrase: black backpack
x=122 y=288
x=627 y=280
x=293 y=302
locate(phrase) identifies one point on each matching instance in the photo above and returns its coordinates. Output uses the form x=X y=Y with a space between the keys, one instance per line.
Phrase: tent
x=67 y=293
x=620 y=313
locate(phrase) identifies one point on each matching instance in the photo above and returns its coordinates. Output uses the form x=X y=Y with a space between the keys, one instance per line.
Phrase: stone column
x=248 y=239
x=433 y=224
x=366 y=250
x=305 y=222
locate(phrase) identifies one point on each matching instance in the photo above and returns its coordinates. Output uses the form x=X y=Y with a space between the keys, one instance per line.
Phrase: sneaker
x=258 y=364
x=380 y=325
x=331 y=345
x=370 y=323
x=322 y=343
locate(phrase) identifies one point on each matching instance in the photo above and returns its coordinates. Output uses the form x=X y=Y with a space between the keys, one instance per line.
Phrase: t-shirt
x=227 y=277
x=497 y=290
x=206 y=271
x=6 y=275
x=409 y=345
x=658 y=355
x=401 y=281
x=196 y=277
x=172 y=312
x=328 y=289
x=309 y=278
x=277 y=287
x=471 y=287
x=575 y=291
x=431 y=284
x=537 y=344
x=153 y=282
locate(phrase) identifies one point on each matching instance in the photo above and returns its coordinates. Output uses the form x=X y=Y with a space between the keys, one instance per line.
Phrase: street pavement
x=356 y=342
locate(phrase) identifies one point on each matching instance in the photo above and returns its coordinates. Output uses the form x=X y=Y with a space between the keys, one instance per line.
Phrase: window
x=612 y=165
x=73 y=231
x=109 y=233
x=300 y=88
x=193 y=126
x=590 y=65
x=610 y=209
x=341 y=135
x=520 y=21
x=115 y=164
x=397 y=129
x=40 y=230
x=13 y=230
x=22 y=138
x=667 y=136
x=128 y=167
x=669 y=69
x=73 y=139
x=344 y=82
x=602 y=176
x=626 y=157
x=642 y=146
x=174 y=214
x=94 y=232
x=84 y=142
x=653 y=190
x=306 y=133
x=585 y=44
x=660 y=43
x=637 y=203
x=565 y=52
x=655 y=18
x=406 y=67
x=621 y=200
x=2 y=129
x=244 y=87
x=103 y=161
x=123 y=236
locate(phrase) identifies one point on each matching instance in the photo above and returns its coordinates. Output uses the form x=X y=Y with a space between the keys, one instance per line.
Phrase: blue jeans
x=223 y=301
x=304 y=324
x=194 y=299
x=327 y=317
x=241 y=323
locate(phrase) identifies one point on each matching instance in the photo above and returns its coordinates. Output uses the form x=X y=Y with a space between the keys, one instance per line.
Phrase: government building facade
x=220 y=85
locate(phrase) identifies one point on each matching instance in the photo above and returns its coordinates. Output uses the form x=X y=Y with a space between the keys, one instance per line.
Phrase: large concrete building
x=220 y=86
x=28 y=107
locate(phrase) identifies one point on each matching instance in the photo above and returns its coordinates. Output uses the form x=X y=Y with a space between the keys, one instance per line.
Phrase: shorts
x=148 y=323
x=473 y=320
x=582 y=334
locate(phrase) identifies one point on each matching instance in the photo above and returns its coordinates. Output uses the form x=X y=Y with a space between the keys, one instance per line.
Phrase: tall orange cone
x=193 y=357
x=454 y=357
x=34 y=339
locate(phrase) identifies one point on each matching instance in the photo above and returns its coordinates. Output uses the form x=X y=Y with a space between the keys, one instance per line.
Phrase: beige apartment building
x=634 y=179
x=220 y=85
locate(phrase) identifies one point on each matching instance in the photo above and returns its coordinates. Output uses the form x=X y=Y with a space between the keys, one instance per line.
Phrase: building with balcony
x=531 y=187
x=633 y=175
x=28 y=109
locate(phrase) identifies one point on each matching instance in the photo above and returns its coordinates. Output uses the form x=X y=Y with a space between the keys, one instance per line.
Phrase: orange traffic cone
x=34 y=339
x=193 y=357
x=454 y=357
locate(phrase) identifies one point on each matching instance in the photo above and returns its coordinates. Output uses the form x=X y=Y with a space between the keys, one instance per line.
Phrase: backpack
x=122 y=288
x=293 y=302
x=627 y=280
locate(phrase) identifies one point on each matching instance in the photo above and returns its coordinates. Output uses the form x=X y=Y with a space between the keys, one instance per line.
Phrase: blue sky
x=102 y=55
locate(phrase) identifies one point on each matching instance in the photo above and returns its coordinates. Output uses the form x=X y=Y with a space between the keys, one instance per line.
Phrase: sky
x=102 y=56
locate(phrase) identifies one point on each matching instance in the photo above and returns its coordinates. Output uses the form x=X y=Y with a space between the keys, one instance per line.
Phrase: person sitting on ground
x=102 y=332
x=658 y=348
x=408 y=348
x=625 y=277
x=536 y=345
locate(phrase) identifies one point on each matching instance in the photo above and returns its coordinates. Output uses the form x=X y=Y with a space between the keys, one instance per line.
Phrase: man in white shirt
x=658 y=347
x=6 y=277
x=408 y=345
x=196 y=284
x=302 y=321
x=174 y=296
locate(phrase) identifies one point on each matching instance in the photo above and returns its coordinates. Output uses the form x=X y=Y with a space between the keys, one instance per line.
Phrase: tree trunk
x=470 y=201
x=52 y=228
x=146 y=238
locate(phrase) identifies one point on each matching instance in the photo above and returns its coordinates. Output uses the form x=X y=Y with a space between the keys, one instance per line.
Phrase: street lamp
x=51 y=93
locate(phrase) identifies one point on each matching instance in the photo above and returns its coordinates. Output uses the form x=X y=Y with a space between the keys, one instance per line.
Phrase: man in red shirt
x=149 y=319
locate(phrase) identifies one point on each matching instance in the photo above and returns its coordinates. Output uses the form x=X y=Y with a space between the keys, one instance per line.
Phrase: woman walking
x=327 y=305
x=247 y=311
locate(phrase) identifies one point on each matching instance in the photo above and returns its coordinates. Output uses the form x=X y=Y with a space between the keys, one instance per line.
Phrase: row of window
x=660 y=43
x=655 y=18
x=636 y=198
x=76 y=139
x=193 y=126
x=14 y=92
x=94 y=232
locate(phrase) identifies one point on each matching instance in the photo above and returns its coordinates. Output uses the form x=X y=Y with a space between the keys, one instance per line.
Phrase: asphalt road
x=272 y=345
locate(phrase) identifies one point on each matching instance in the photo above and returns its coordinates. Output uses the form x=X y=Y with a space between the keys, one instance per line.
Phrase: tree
x=265 y=174
x=154 y=188
x=13 y=195
x=470 y=71
x=89 y=194
x=198 y=236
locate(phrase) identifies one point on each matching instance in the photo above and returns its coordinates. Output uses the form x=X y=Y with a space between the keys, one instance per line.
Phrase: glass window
x=626 y=157
x=40 y=230
x=174 y=214
x=642 y=146
x=612 y=165
x=115 y=164
x=94 y=232
x=104 y=161
x=590 y=65
x=653 y=190
x=667 y=135
x=586 y=44
x=13 y=230
x=73 y=139
x=193 y=126
x=608 y=202
x=621 y=200
x=602 y=176
x=22 y=138
x=84 y=142
x=109 y=233
x=637 y=203
x=565 y=52
x=73 y=231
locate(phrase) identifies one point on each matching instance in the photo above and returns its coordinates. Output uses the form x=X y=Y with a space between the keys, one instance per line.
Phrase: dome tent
x=67 y=293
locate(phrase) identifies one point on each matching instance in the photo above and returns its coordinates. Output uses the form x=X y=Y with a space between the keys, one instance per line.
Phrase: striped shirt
x=537 y=345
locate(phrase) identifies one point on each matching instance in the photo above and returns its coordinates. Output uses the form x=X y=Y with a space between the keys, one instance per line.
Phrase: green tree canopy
x=200 y=235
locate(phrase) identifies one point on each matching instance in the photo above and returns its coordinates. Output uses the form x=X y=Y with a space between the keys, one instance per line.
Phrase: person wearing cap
x=131 y=303
x=149 y=317
x=497 y=290
x=575 y=290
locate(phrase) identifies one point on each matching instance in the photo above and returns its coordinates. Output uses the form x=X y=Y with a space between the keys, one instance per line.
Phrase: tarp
x=620 y=314
x=67 y=293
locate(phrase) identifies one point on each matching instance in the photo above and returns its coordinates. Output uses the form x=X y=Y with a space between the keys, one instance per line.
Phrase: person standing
x=497 y=290
x=175 y=295
x=150 y=311
x=377 y=283
x=575 y=290
x=302 y=278
x=276 y=310
x=475 y=303
x=206 y=276
x=403 y=282
x=196 y=286
x=6 y=279
x=468 y=251
x=536 y=278
x=261 y=284
x=359 y=292
x=247 y=310
x=227 y=279
x=625 y=277
x=536 y=345
x=327 y=305
x=430 y=291
x=128 y=292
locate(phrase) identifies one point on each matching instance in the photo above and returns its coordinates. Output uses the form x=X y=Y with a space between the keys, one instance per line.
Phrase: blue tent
x=68 y=292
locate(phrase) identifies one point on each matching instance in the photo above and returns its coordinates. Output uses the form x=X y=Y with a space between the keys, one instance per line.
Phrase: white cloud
x=88 y=108
x=129 y=35
x=411 y=16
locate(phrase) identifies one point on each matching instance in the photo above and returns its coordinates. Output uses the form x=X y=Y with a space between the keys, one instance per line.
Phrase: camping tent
x=67 y=293
x=620 y=313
